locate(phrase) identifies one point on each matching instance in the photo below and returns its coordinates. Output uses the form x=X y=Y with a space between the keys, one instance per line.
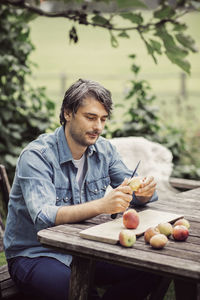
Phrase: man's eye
x=90 y=118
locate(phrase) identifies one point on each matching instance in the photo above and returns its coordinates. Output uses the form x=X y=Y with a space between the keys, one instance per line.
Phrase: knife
x=113 y=216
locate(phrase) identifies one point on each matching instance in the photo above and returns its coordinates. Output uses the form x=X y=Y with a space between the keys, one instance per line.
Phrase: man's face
x=87 y=123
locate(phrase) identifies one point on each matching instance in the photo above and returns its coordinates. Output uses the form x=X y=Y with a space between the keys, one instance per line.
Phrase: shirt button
x=65 y=199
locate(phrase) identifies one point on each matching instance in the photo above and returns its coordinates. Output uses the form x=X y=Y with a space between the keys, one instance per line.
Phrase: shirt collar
x=65 y=154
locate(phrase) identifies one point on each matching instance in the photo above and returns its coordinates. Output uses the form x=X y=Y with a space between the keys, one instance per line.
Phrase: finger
x=125 y=189
x=124 y=196
x=145 y=193
x=147 y=188
x=147 y=180
x=125 y=182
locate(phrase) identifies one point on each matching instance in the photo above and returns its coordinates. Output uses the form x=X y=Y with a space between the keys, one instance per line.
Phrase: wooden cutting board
x=108 y=232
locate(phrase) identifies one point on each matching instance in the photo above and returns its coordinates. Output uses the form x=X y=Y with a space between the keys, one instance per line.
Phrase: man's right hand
x=117 y=200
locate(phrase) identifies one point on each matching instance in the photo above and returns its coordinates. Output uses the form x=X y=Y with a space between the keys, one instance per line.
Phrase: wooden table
x=178 y=260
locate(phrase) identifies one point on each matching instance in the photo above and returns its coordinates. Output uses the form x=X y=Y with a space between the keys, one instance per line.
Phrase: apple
x=180 y=233
x=151 y=231
x=165 y=228
x=183 y=222
x=158 y=241
x=131 y=219
x=135 y=183
x=127 y=238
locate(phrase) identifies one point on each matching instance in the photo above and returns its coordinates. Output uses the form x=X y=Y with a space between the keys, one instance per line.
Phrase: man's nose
x=98 y=125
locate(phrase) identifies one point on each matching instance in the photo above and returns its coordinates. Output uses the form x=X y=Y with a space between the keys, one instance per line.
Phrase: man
x=61 y=178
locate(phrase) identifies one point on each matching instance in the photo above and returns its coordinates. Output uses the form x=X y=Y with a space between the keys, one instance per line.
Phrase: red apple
x=180 y=233
x=151 y=231
x=127 y=238
x=158 y=241
x=131 y=219
x=183 y=222
x=165 y=228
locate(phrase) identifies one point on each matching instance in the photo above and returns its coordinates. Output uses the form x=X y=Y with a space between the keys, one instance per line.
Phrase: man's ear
x=67 y=115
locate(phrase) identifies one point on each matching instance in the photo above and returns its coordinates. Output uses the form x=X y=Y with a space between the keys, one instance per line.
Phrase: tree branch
x=76 y=16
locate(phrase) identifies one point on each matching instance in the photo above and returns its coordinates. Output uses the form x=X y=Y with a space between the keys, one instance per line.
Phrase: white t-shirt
x=79 y=163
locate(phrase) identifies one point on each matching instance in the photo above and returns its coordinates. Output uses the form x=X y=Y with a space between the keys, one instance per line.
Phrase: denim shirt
x=45 y=179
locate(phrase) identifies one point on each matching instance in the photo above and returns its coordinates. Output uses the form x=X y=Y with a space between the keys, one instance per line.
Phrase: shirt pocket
x=63 y=197
x=98 y=188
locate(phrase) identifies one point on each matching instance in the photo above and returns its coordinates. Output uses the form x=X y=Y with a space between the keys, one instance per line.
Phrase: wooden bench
x=8 y=289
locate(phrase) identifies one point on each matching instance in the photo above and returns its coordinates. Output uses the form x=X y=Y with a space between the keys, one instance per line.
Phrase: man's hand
x=118 y=199
x=146 y=190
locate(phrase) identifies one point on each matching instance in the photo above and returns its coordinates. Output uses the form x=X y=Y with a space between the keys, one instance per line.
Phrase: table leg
x=81 y=278
x=186 y=290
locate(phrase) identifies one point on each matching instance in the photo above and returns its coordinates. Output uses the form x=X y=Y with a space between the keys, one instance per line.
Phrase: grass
x=2 y=259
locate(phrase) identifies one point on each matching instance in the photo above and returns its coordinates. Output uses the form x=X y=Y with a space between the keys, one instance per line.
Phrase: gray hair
x=80 y=90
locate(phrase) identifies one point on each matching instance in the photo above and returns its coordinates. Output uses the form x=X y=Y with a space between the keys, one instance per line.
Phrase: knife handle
x=113 y=216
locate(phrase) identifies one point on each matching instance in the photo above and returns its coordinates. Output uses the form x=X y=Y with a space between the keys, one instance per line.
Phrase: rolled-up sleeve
x=35 y=175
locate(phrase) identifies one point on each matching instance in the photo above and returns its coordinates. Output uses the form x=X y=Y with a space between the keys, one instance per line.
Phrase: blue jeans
x=47 y=278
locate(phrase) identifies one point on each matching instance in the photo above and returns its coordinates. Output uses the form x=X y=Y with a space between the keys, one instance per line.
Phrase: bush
x=25 y=112
x=142 y=119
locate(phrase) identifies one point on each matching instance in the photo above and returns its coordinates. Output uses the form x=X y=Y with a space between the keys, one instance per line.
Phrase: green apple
x=165 y=228
x=127 y=238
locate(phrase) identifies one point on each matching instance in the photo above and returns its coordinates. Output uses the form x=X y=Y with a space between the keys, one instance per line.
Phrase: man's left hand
x=147 y=189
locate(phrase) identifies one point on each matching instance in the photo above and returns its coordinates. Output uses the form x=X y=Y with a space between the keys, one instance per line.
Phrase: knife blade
x=113 y=216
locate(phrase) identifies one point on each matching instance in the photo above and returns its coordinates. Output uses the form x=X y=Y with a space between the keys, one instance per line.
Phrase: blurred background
x=60 y=63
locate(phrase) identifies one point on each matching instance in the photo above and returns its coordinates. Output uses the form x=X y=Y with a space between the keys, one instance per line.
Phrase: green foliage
x=162 y=33
x=142 y=119
x=24 y=112
x=141 y=116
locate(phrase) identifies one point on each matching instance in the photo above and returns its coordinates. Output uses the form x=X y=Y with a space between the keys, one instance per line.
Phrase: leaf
x=179 y=27
x=123 y=34
x=134 y=18
x=150 y=50
x=11 y=160
x=135 y=69
x=73 y=35
x=99 y=20
x=170 y=44
x=183 y=64
x=186 y=41
x=133 y=56
x=156 y=46
x=164 y=12
x=113 y=40
x=130 y=4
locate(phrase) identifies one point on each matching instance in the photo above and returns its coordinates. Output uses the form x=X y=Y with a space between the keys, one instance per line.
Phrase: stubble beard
x=80 y=138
